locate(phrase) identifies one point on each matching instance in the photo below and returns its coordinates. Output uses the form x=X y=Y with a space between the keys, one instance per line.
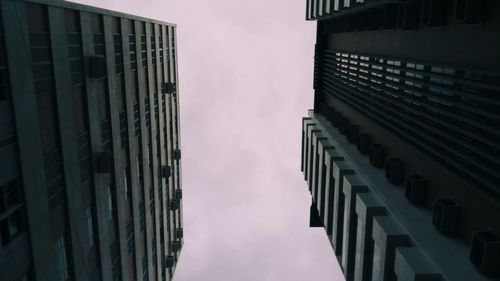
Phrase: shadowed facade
x=90 y=178
x=401 y=149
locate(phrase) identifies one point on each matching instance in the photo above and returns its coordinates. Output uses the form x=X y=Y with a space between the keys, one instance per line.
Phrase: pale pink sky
x=245 y=71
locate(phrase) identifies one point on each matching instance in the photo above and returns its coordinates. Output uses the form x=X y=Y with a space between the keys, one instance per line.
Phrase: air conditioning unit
x=416 y=189
x=179 y=233
x=97 y=67
x=446 y=216
x=353 y=134
x=166 y=171
x=395 y=171
x=176 y=245
x=178 y=194
x=169 y=261
x=177 y=154
x=364 y=143
x=104 y=162
x=174 y=204
x=170 y=87
x=485 y=252
x=377 y=155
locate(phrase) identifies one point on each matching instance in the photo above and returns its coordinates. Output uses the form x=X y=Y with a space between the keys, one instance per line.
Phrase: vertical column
x=340 y=169
x=367 y=207
x=331 y=157
x=314 y=4
x=96 y=145
x=142 y=80
x=308 y=9
x=353 y=185
x=412 y=265
x=313 y=183
x=68 y=141
x=387 y=236
x=328 y=6
x=320 y=7
x=310 y=155
x=305 y=149
x=336 y=6
x=171 y=130
x=177 y=130
x=132 y=143
x=305 y=120
x=166 y=146
x=154 y=132
x=161 y=203
x=28 y=133
x=115 y=131
x=323 y=146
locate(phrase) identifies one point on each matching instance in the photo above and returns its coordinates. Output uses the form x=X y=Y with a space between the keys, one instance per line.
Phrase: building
x=401 y=151
x=90 y=173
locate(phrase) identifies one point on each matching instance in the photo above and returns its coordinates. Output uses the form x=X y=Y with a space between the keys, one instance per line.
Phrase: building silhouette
x=401 y=151
x=90 y=173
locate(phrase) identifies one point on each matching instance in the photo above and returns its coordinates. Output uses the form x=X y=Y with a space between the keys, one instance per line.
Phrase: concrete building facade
x=401 y=151
x=90 y=172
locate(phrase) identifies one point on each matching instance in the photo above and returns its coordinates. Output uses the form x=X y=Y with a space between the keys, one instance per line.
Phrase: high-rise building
x=402 y=149
x=90 y=174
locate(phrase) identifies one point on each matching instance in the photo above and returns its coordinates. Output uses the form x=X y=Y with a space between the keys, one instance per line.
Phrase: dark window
x=43 y=74
x=153 y=44
x=62 y=272
x=13 y=221
x=4 y=76
x=139 y=168
x=47 y=119
x=79 y=110
x=37 y=17
x=120 y=93
x=142 y=215
x=102 y=99
x=145 y=276
x=130 y=236
x=127 y=183
x=90 y=226
x=153 y=247
x=115 y=260
x=151 y=199
x=132 y=45
x=117 y=40
x=137 y=119
x=143 y=45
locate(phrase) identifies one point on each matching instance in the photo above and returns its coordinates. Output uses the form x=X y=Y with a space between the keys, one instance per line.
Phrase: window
x=110 y=204
x=12 y=216
x=138 y=166
x=61 y=260
x=151 y=200
x=145 y=268
x=15 y=224
x=79 y=110
x=27 y=275
x=125 y=183
x=153 y=247
x=130 y=236
x=48 y=122
x=90 y=228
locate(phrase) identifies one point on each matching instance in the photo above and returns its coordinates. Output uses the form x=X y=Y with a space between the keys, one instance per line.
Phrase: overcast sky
x=245 y=71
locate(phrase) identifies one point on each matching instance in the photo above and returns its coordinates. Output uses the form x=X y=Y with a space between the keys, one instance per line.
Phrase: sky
x=245 y=82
